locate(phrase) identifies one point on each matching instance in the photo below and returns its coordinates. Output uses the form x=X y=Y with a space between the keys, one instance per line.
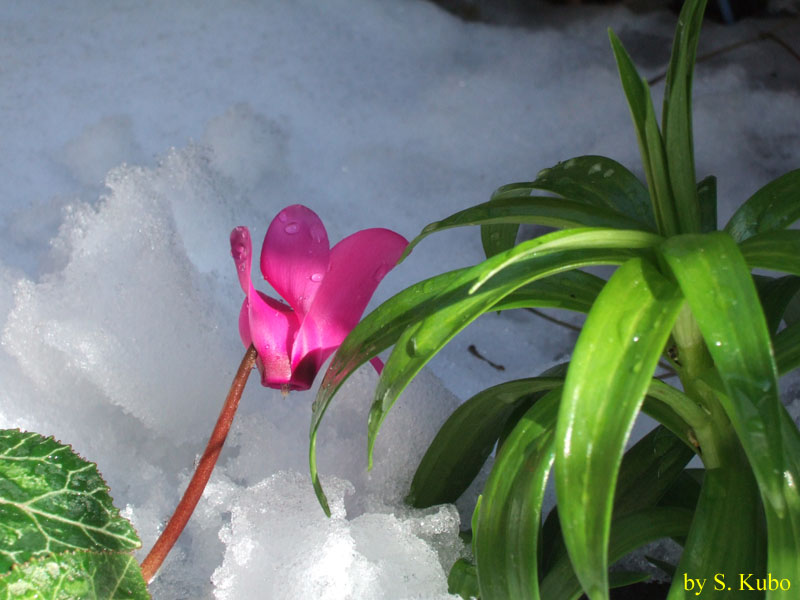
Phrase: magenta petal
x=270 y=326
x=242 y=252
x=294 y=258
x=357 y=265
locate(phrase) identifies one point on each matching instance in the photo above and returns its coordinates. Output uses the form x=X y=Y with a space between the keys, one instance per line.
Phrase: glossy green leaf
x=774 y=250
x=707 y=197
x=775 y=293
x=648 y=469
x=627 y=534
x=52 y=500
x=592 y=180
x=571 y=290
x=463 y=579
x=549 y=254
x=467 y=438
x=651 y=147
x=498 y=238
x=78 y=575
x=677 y=116
x=454 y=295
x=717 y=284
x=507 y=532
x=727 y=512
x=531 y=210
x=609 y=374
x=775 y=206
x=787 y=348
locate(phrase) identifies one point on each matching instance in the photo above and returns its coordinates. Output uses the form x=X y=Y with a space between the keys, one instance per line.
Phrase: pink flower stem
x=202 y=473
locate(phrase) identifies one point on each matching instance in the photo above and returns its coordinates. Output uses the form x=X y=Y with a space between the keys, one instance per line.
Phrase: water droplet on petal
x=380 y=272
x=316 y=277
x=282 y=216
x=292 y=228
x=317 y=233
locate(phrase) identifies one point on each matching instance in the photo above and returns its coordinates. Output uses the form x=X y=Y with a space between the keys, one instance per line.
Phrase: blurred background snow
x=135 y=136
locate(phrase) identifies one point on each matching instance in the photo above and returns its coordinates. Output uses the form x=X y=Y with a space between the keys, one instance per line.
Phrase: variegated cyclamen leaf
x=78 y=575
x=52 y=500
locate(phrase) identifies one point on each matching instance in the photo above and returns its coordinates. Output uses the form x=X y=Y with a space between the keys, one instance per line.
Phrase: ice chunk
x=279 y=545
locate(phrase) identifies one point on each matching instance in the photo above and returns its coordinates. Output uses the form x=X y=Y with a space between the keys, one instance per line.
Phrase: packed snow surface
x=137 y=135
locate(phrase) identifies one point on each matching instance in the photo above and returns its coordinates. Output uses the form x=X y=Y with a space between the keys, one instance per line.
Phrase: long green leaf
x=448 y=293
x=787 y=348
x=707 y=197
x=610 y=371
x=775 y=206
x=498 y=238
x=728 y=512
x=571 y=290
x=716 y=281
x=648 y=469
x=677 y=116
x=628 y=533
x=553 y=254
x=531 y=210
x=775 y=294
x=507 y=533
x=593 y=180
x=774 y=250
x=466 y=439
x=651 y=146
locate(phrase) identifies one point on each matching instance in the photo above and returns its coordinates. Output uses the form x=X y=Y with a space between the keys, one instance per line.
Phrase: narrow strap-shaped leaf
x=628 y=533
x=651 y=147
x=787 y=348
x=498 y=238
x=593 y=180
x=728 y=512
x=775 y=294
x=507 y=532
x=571 y=290
x=609 y=374
x=531 y=210
x=648 y=469
x=463 y=579
x=466 y=439
x=547 y=255
x=707 y=197
x=774 y=250
x=775 y=206
x=496 y=277
x=676 y=118
x=716 y=282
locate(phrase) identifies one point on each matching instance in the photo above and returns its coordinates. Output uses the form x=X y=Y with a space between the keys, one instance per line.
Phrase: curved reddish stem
x=202 y=473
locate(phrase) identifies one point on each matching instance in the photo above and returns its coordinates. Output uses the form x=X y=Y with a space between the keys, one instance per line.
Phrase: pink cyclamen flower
x=327 y=290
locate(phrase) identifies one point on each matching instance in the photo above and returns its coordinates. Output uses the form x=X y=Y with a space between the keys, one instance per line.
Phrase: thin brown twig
x=202 y=473
x=539 y=313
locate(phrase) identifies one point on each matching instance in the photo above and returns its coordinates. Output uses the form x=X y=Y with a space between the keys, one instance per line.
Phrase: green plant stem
x=202 y=473
x=715 y=437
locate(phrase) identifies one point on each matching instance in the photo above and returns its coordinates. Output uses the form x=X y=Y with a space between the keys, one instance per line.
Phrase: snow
x=136 y=136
